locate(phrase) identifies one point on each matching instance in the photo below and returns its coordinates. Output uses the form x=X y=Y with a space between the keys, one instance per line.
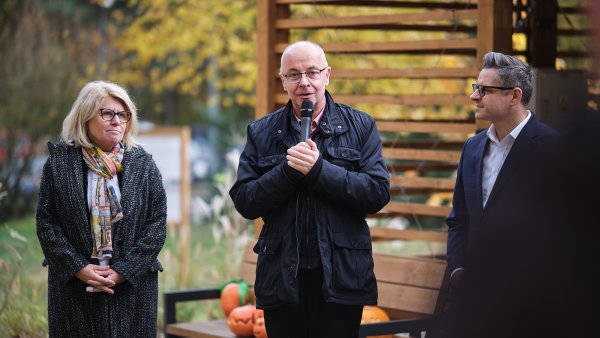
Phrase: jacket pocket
x=270 y=161
x=345 y=157
x=352 y=262
x=268 y=271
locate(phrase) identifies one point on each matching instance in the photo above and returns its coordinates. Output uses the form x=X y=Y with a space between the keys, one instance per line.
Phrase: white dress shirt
x=495 y=155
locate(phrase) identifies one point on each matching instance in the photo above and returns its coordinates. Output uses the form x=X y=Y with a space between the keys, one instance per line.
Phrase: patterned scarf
x=106 y=207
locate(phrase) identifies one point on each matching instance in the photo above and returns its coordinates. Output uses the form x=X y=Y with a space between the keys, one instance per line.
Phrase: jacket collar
x=337 y=123
x=332 y=122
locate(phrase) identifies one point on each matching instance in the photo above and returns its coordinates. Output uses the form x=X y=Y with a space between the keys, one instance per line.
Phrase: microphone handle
x=305 y=128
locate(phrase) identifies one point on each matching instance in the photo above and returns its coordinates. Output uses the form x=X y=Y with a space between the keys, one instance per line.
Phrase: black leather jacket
x=349 y=181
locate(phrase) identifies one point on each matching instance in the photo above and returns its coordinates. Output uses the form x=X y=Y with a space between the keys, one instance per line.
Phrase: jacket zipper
x=297 y=239
x=308 y=253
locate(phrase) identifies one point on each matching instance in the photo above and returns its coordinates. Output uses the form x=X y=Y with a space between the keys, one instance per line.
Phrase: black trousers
x=313 y=317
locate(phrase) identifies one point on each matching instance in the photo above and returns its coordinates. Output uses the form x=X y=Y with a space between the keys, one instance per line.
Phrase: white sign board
x=169 y=148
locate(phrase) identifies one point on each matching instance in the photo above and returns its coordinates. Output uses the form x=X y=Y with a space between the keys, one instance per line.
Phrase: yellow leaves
x=519 y=41
x=170 y=43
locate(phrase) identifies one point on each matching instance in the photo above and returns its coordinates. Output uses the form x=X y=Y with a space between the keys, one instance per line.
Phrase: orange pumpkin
x=259 y=329
x=233 y=294
x=240 y=320
x=259 y=313
x=374 y=314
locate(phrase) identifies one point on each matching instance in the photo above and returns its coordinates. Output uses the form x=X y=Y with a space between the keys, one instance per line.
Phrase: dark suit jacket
x=511 y=249
x=517 y=194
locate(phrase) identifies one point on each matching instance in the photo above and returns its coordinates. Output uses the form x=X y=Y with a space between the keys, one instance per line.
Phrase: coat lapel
x=78 y=200
x=479 y=171
x=517 y=156
x=480 y=146
x=127 y=187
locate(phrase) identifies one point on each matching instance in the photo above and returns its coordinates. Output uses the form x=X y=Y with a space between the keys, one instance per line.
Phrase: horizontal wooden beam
x=405 y=208
x=425 y=127
x=399 y=269
x=563 y=9
x=421 y=167
x=421 y=154
x=401 y=191
x=573 y=10
x=573 y=54
x=423 y=182
x=412 y=73
x=421 y=100
x=382 y=3
x=413 y=27
x=574 y=32
x=371 y=20
x=461 y=46
x=431 y=143
x=379 y=233
x=562 y=54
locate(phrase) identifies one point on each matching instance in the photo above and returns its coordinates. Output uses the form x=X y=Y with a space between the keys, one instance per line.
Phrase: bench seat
x=411 y=291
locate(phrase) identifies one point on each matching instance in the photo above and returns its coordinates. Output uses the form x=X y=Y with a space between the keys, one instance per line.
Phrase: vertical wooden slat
x=541 y=41
x=266 y=58
x=494 y=27
x=494 y=32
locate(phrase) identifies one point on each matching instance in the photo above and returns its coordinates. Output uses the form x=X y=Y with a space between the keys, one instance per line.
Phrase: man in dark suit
x=506 y=233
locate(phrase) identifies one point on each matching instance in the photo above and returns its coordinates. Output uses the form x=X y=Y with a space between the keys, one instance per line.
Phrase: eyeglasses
x=313 y=74
x=481 y=88
x=109 y=114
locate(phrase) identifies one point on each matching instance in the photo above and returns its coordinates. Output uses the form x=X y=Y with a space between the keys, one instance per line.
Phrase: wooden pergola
x=422 y=168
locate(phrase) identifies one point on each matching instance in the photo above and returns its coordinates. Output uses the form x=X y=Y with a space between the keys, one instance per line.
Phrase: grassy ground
x=23 y=292
x=194 y=257
x=191 y=258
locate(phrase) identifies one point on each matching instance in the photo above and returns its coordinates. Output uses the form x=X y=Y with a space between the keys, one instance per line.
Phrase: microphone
x=306 y=111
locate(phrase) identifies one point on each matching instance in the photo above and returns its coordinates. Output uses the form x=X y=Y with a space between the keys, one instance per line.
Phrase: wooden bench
x=411 y=291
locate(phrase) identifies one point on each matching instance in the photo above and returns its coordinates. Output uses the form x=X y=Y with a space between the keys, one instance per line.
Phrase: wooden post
x=541 y=41
x=267 y=59
x=494 y=32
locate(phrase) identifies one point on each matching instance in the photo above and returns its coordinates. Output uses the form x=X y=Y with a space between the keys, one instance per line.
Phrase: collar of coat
x=332 y=114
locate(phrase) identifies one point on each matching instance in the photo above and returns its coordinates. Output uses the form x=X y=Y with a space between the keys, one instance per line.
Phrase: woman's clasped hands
x=99 y=278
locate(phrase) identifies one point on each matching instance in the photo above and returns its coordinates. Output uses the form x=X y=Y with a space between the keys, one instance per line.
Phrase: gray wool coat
x=63 y=229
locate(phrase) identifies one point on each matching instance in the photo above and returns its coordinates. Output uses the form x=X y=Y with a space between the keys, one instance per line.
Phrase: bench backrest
x=408 y=287
x=248 y=265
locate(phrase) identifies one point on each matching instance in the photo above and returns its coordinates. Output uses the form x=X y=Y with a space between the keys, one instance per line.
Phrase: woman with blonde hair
x=101 y=221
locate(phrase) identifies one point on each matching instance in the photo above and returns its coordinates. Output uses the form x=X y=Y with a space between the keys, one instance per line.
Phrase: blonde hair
x=87 y=104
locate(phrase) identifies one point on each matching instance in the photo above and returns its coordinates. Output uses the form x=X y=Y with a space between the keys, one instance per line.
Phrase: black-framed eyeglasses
x=313 y=74
x=109 y=114
x=481 y=88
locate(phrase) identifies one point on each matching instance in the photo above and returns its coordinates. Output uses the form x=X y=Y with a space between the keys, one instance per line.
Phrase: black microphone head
x=306 y=109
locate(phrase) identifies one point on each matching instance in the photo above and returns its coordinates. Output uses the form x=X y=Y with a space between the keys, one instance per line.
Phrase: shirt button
x=339 y=126
x=279 y=131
